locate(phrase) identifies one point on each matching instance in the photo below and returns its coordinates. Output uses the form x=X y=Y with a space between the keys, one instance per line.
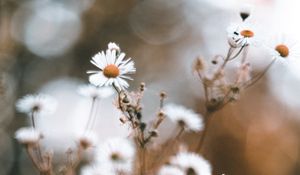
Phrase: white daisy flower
x=170 y=170
x=113 y=69
x=114 y=46
x=92 y=91
x=117 y=153
x=88 y=140
x=27 y=135
x=184 y=117
x=94 y=170
x=240 y=35
x=283 y=48
x=41 y=104
x=191 y=163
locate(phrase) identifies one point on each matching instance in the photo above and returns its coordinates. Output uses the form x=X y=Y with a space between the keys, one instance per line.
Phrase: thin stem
x=237 y=54
x=143 y=161
x=32 y=157
x=259 y=76
x=204 y=133
x=167 y=149
x=32 y=119
x=95 y=116
x=90 y=114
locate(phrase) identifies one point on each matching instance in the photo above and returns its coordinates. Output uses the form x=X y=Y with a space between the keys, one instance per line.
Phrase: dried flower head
x=118 y=153
x=92 y=91
x=245 y=11
x=28 y=136
x=191 y=163
x=184 y=117
x=113 y=69
x=114 y=46
x=40 y=104
x=170 y=170
x=88 y=140
x=199 y=64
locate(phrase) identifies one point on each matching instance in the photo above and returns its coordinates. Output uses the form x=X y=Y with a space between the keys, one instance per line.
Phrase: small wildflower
x=184 y=117
x=41 y=104
x=113 y=69
x=283 y=48
x=241 y=35
x=95 y=92
x=118 y=153
x=191 y=163
x=28 y=135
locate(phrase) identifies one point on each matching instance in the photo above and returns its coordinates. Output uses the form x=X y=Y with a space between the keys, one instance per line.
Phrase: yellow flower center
x=111 y=71
x=283 y=50
x=247 y=33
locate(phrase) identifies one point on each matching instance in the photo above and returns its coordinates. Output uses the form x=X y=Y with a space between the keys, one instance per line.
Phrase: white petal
x=97 y=79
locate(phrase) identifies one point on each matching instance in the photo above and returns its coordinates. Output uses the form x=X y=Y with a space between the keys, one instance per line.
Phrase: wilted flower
x=40 y=104
x=117 y=153
x=191 y=163
x=245 y=11
x=88 y=140
x=27 y=135
x=114 y=46
x=184 y=117
x=113 y=69
x=92 y=91
x=170 y=170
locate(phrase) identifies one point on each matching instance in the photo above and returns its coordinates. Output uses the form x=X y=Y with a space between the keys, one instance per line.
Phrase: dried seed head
x=245 y=11
x=283 y=50
x=247 y=33
x=142 y=86
x=143 y=126
x=111 y=71
x=163 y=94
x=85 y=143
x=123 y=119
x=115 y=156
x=153 y=133
x=199 y=64
x=161 y=114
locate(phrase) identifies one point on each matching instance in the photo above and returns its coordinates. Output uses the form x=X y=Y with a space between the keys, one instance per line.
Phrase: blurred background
x=46 y=45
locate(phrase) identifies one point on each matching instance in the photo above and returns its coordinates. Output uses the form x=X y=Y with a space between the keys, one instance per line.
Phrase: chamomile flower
x=191 y=163
x=27 y=135
x=240 y=35
x=170 y=170
x=113 y=69
x=41 y=104
x=88 y=140
x=282 y=48
x=184 y=117
x=94 y=92
x=117 y=153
